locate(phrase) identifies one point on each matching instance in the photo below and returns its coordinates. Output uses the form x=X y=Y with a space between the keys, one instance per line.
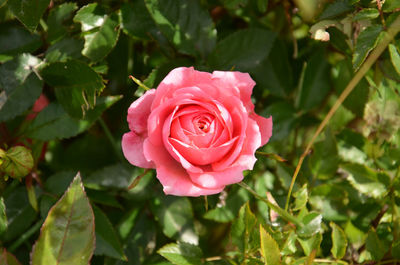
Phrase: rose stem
x=284 y=214
x=139 y=83
x=387 y=38
x=110 y=139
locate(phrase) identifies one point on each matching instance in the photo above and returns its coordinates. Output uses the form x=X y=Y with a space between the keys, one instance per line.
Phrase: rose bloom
x=198 y=130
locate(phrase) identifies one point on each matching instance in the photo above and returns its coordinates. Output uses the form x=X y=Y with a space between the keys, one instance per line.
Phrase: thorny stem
x=110 y=138
x=391 y=32
x=284 y=214
x=139 y=83
x=25 y=236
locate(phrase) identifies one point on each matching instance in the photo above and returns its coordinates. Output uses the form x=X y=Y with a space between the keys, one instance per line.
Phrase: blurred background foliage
x=64 y=94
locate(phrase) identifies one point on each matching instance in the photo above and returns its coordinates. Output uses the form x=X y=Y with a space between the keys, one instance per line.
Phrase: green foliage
x=64 y=95
x=67 y=234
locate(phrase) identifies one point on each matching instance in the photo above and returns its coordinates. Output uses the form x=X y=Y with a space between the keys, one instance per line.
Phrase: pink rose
x=198 y=130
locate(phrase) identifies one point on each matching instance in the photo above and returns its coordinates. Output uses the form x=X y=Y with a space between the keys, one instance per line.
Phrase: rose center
x=203 y=125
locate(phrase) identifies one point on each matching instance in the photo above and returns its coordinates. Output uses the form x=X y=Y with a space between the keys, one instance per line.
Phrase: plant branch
x=391 y=32
x=110 y=138
x=284 y=214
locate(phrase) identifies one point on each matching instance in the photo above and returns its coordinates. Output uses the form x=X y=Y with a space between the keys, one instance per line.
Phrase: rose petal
x=215 y=179
x=179 y=78
x=171 y=149
x=265 y=125
x=240 y=84
x=247 y=158
x=172 y=176
x=139 y=112
x=132 y=147
x=239 y=118
x=201 y=156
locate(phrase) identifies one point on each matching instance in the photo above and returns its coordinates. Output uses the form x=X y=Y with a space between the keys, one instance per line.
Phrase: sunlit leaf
x=182 y=253
x=366 y=41
x=67 y=235
x=269 y=248
x=366 y=180
x=175 y=216
x=301 y=198
x=102 y=28
x=19 y=86
x=339 y=241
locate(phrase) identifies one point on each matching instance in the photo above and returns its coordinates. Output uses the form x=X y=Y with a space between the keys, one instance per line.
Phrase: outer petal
x=247 y=158
x=239 y=83
x=215 y=179
x=265 y=125
x=139 y=112
x=132 y=147
x=179 y=78
x=172 y=176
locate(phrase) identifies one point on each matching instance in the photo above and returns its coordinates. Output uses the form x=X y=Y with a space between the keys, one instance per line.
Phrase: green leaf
x=54 y=123
x=118 y=176
x=107 y=242
x=3 y=217
x=229 y=211
x=336 y=9
x=57 y=19
x=101 y=31
x=243 y=229
x=331 y=201
x=285 y=119
x=275 y=73
x=19 y=86
x=355 y=102
x=104 y=198
x=311 y=225
x=367 y=181
x=182 y=253
x=243 y=50
x=64 y=50
x=301 y=198
x=339 y=241
x=185 y=24
x=315 y=82
x=394 y=57
x=20 y=214
x=17 y=162
x=67 y=235
x=175 y=215
x=28 y=12
x=311 y=243
x=6 y=258
x=269 y=248
x=76 y=85
x=136 y=20
x=354 y=234
x=366 y=42
x=374 y=245
x=58 y=183
x=366 y=13
x=15 y=39
x=325 y=160
x=396 y=249
x=391 y=5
